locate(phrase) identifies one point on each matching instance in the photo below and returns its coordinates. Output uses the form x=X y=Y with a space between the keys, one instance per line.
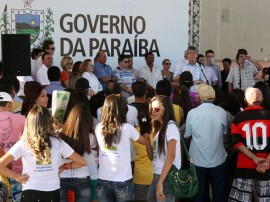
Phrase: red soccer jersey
x=251 y=128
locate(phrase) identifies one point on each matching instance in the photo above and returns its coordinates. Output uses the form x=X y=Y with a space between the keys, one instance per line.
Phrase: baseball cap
x=253 y=95
x=82 y=83
x=5 y=97
x=206 y=92
x=186 y=78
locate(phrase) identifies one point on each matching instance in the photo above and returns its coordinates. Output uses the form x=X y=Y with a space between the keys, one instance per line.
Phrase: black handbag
x=183 y=183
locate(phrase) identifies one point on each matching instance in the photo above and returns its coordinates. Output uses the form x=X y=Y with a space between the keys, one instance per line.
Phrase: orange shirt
x=64 y=77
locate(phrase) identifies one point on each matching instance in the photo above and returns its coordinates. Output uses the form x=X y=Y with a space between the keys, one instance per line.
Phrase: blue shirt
x=102 y=70
x=195 y=70
x=216 y=69
x=206 y=124
x=54 y=85
x=125 y=77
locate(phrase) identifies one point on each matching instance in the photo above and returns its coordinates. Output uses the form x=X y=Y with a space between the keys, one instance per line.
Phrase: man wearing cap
x=250 y=136
x=206 y=126
x=11 y=129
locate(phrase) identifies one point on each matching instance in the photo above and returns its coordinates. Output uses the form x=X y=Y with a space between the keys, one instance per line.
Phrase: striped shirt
x=251 y=128
x=247 y=74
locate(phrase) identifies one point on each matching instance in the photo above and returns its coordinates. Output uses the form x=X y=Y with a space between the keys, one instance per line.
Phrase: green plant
x=49 y=24
x=5 y=27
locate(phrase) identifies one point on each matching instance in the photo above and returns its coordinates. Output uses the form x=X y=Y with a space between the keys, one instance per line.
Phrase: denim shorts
x=80 y=186
x=16 y=190
x=109 y=191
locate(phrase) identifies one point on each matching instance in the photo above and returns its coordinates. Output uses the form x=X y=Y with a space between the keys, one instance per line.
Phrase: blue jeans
x=109 y=191
x=16 y=190
x=81 y=187
x=151 y=195
x=217 y=177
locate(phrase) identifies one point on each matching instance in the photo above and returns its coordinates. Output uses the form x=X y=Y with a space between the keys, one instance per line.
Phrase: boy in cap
x=82 y=86
x=11 y=130
x=250 y=136
x=206 y=126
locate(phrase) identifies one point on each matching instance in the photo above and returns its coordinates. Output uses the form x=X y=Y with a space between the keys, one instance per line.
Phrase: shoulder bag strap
x=182 y=140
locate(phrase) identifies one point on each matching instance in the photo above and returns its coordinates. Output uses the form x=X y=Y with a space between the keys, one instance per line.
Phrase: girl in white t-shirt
x=41 y=154
x=165 y=149
x=114 y=135
x=75 y=133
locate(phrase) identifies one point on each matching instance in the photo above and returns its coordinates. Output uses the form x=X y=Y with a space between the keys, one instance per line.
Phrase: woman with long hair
x=41 y=153
x=166 y=149
x=77 y=67
x=182 y=98
x=114 y=135
x=36 y=95
x=74 y=76
x=78 y=134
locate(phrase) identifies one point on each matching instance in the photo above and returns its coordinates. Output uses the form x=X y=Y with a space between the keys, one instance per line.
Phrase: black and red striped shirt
x=251 y=128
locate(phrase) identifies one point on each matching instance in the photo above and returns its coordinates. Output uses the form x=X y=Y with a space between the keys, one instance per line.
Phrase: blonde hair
x=65 y=61
x=85 y=64
x=114 y=112
x=37 y=133
x=74 y=76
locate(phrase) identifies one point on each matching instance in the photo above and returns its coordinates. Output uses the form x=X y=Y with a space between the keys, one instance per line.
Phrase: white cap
x=5 y=97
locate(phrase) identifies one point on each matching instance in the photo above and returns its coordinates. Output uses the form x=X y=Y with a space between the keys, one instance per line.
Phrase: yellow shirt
x=143 y=168
x=16 y=107
x=176 y=109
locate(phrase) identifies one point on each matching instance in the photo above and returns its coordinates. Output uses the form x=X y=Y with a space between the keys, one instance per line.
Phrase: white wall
x=166 y=24
x=247 y=27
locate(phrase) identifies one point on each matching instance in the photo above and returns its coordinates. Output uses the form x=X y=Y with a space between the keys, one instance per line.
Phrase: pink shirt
x=11 y=130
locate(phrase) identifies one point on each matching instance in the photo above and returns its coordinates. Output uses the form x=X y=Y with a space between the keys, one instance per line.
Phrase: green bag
x=183 y=183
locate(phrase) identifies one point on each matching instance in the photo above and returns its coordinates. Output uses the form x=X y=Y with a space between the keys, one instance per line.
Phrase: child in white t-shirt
x=165 y=149
x=41 y=154
x=113 y=136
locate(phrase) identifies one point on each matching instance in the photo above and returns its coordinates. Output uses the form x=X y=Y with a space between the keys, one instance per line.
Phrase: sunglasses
x=167 y=63
x=156 y=109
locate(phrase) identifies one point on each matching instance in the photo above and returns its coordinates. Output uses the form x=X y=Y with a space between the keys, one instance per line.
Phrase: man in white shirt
x=47 y=47
x=150 y=72
x=209 y=54
x=242 y=75
x=192 y=66
x=182 y=62
x=42 y=77
x=208 y=71
x=35 y=64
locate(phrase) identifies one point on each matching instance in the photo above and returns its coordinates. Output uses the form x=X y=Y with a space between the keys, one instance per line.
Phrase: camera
x=266 y=70
x=266 y=75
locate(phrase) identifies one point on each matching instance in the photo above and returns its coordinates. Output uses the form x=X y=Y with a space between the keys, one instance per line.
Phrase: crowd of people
x=122 y=129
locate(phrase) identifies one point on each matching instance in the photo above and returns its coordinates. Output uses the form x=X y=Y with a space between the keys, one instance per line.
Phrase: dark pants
x=40 y=196
x=216 y=177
